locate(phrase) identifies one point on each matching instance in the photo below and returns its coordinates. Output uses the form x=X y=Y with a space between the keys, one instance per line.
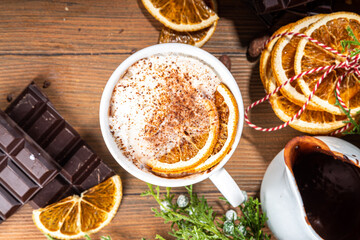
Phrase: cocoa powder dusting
x=180 y=111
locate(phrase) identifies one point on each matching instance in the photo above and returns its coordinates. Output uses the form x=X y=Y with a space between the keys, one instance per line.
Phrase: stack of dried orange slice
x=197 y=152
x=287 y=56
x=185 y=21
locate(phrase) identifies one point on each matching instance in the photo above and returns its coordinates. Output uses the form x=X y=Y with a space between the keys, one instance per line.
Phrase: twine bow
x=350 y=65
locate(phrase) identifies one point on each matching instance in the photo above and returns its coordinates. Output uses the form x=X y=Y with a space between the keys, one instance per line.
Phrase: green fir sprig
x=346 y=44
x=350 y=45
x=356 y=125
x=198 y=221
x=250 y=225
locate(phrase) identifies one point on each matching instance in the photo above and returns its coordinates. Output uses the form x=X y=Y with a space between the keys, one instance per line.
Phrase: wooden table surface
x=76 y=45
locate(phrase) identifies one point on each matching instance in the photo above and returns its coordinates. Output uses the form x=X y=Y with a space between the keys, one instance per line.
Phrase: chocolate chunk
x=34 y=163
x=133 y=51
x=63 y=140
x=79 y=163
x=51 y=193
x=256 y=46
x=46 y=84
x=9 y=137
x=25 y=106
x=69 y=192
x=9 y=205
x=44 y=123
x=226 y=61
x=9 y=97
x=15 y=181
x=96 y=176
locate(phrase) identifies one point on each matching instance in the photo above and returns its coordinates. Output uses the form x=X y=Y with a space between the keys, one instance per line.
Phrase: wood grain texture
x=77 y=44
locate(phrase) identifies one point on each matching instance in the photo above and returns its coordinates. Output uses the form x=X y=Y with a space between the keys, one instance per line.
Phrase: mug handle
x=228 y=187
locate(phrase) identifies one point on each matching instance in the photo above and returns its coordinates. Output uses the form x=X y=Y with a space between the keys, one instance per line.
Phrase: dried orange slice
x=282 y=61
x=312 y=122
x=329 y=30
x=197 y=38
x=227 y=109
x=265 y=63
x=75 y=216
x=193 y=148
x=182 y=15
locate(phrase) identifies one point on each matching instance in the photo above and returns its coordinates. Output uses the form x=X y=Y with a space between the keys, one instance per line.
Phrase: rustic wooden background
x=77 y=44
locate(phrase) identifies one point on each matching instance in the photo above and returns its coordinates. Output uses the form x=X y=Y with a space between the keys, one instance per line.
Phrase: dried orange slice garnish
x=313 y=122
x=193 y=147
x=282 y=61
x=196 y=38
x=182 y=15
x=75 y=216
x=330 y=30
x=227 y=109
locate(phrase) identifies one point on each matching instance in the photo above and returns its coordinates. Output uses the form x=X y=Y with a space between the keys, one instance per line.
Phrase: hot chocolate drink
x=156 y=101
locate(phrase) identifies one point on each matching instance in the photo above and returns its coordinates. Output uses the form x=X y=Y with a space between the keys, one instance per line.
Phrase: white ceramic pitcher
x=281 y=199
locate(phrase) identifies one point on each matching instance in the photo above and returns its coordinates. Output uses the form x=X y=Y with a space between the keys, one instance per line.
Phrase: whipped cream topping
x=157 y=100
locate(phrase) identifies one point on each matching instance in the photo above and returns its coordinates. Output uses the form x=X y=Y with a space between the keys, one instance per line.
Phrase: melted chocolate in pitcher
x=330 y=190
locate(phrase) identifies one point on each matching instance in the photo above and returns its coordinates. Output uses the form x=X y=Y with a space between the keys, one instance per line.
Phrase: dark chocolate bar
x=25 y=168
x=268 y=6
x=81 y=167
x=273 y=12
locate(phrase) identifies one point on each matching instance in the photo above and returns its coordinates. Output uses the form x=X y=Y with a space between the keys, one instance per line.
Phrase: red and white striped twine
x=350 y=65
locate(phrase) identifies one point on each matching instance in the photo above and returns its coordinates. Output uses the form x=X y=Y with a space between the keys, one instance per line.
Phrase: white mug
x=219 y=176
x=281 y=199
